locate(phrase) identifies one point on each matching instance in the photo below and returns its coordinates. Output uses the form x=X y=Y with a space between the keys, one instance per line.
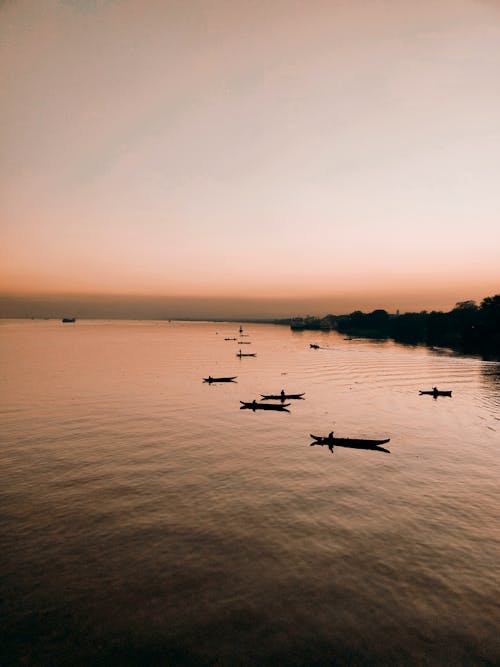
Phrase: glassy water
x=146 y=519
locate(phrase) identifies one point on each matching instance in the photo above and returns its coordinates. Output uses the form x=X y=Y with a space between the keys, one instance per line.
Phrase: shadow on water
x=490 y=373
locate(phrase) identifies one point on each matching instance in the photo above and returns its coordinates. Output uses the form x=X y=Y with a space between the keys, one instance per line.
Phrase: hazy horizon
x=113 y=306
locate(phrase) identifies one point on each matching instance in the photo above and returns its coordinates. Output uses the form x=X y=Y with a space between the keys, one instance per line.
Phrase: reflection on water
x=147 y=520
x=491 y=374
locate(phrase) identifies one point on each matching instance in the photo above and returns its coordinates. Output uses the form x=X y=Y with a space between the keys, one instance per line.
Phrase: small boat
x=211 y=379
x=435 y=393
x=281 y=397
x=230 y=338
x=65 y=320
x=314 y=346
x=354 y=443
x=246 y=354
x=244 y=342
x=253 y=405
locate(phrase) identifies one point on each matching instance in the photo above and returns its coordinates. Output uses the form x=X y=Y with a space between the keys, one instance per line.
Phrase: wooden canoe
x=355 y=443
x=251 y=405
x=279 y=397
x=211 y=379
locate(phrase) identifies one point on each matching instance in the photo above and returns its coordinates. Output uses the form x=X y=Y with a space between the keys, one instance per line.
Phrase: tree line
x=468 y=327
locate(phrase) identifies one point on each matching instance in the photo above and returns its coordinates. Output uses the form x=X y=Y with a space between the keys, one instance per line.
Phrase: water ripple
x=219 y=534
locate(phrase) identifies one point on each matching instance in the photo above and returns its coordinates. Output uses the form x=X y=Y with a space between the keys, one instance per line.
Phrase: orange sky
x=340 y=153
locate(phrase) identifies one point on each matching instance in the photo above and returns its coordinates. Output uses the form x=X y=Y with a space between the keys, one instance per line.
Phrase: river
x=147 y=519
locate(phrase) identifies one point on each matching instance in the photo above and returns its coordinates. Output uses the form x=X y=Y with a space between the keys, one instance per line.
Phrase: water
x=146 y=519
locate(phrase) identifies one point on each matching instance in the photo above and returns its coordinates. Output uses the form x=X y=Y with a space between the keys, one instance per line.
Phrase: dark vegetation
x=469 y=328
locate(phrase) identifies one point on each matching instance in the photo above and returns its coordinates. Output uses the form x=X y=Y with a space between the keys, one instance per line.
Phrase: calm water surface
x=146 y=519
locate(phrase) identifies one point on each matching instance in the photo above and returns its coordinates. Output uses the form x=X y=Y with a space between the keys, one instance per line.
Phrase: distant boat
x=241 y=329
x=314 y=346
x=281 y=397
x=230 y=338
x=353 y=443
x=435 y=392
x=66 y=320
x=225 y=379
x=246 y=354
x=253 y=405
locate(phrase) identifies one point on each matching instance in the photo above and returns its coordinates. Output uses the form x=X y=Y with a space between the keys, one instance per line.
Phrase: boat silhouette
x=253 y=405
x=352 y=443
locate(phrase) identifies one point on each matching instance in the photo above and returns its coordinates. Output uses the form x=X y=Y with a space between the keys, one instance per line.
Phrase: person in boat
x=435 y=390
x=254 y=403
x=282 y=394
x=210 y=378
x=330 y=435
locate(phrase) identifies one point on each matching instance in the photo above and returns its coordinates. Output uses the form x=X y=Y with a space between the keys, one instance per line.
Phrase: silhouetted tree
x=466 y=305
x=467 y=327
x=380 y=319
x=409 y=328
x=490 y=308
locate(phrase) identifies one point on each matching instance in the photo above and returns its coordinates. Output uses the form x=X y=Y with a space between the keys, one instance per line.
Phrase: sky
x=277 y=157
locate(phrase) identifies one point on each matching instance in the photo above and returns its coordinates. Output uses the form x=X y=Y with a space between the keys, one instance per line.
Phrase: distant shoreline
x=468 y=328
x=144 y=319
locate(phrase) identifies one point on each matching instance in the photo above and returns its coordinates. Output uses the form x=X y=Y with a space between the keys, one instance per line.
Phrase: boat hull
x=210 y=379
x=354 y=443
x=279 y=397
x=435 y=393
x=263 y=406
